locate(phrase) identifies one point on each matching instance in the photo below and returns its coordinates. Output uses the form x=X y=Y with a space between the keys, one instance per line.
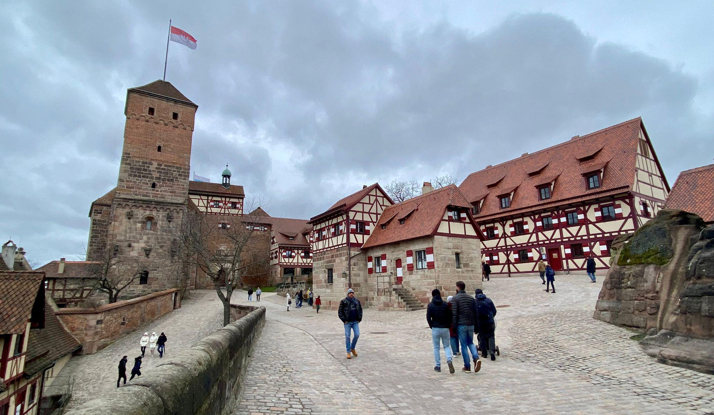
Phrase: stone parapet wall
x=96 y=328
x=206 y=379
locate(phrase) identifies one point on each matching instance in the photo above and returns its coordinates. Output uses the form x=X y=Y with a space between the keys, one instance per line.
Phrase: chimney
x=364 y=186
x=426 y=188
x=575 y=137
x=8 y=254
x=524 y=154
x=60 y=267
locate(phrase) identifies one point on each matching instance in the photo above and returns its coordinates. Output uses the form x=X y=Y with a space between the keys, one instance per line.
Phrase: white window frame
x=420 y=259
x=377 y=265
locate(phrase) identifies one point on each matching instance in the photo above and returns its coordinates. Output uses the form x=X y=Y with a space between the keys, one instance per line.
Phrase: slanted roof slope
x=694 y=192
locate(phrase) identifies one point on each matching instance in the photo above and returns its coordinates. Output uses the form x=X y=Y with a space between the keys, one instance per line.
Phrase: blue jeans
x=441 y=334
x=466 y=338
x=592 y=276
x=354 y=326
x=454 y=344
x=161 y=348
x=250 y=297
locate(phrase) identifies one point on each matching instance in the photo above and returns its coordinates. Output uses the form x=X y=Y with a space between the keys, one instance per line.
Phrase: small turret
x=226 y=177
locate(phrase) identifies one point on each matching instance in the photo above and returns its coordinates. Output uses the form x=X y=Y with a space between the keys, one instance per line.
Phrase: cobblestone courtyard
x=555 y=358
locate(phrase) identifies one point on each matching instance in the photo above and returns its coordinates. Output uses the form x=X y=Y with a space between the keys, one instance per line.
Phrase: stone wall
x=96 y=328
x=206 y=379
x=662 y=282
x=336 y=259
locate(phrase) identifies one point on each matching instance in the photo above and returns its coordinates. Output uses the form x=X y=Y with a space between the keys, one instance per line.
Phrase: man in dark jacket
x=122 y=370
x=161 y=344
x=350 y=312
x=464 y=318
x=486 y=271
x=438 y=315
x=486 y=325
x=591 y=268
x=136 y=370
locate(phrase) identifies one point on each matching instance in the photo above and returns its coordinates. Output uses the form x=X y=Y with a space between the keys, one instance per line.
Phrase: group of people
x=258 y=291
x=154 y=342
x=453 y=324
x=299 y=297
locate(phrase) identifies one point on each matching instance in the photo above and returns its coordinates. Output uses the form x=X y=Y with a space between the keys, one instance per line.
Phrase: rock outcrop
x=662 y=282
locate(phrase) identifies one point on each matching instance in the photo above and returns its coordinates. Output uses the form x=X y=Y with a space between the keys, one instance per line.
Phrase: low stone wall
x=96 y=328
x=206 y=379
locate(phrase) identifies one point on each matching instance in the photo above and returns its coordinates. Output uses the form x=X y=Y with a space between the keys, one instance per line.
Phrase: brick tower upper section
x=155 y=163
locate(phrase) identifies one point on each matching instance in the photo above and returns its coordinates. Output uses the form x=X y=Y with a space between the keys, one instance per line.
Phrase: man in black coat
x=122 y=370
x=464 y=319
x=350 y=312
x=161 y=344
x=439 y=317
x=486 y=271
x=486 y=325
x=591 y=268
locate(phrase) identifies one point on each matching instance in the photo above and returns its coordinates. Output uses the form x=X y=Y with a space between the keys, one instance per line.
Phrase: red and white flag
x=179 y=36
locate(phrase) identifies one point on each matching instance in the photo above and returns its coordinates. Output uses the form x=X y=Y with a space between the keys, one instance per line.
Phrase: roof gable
x=18 y=291
x=72 y=269
x=421 y=216
x=613 y=150
x=348 y=202
x=692 y=192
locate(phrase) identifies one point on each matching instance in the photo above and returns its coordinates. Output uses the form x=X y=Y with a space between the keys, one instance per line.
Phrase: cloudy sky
x=306 y=101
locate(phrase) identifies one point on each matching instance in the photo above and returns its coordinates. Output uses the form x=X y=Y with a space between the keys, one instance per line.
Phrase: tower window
x=149 y=224
x=175 y=115
x=158 y=149
x=151 y=110
x=153 y=185
x=144 y=277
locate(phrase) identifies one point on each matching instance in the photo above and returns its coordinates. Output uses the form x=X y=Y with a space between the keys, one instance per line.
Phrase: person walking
x=152 y=342
x=122 y=370
x=299 y=300
x=287 y=300
x=541 y=269
x=350 y=312
x=310 y=297
x=549 y=277
x=486 y=325
x=486 y=270
x=591 y=268
x=250 y=294
x=318 y=303
x=143 y=342
x=464 y=319
x=161 y=344
x=257 y=294
x=453 y=336
x=136 y=370
x=438 y=315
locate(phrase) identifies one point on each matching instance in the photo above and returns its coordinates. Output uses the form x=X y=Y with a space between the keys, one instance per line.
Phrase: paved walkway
x=96 y=374
x=555 y=358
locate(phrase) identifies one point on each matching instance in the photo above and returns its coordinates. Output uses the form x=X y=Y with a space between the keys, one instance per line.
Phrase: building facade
x=290 y=251
x=70 y=283
x=567 y=202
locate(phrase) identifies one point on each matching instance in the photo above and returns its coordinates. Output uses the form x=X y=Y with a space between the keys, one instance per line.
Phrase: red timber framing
x=291 y=256
x=218 y=204
x=575 y=218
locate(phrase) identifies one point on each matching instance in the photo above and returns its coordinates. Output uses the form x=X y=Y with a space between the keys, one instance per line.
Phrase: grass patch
x=269 y=289
x=638 y=337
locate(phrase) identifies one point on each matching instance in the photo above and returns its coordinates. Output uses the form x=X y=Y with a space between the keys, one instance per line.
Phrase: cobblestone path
x=555 y=358
x=96 y=374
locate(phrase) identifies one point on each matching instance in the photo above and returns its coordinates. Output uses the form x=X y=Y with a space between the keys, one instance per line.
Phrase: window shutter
x=512 y=229
x=495 y=260
x=430 y=258
x=603 y=248
x=564 y=220
x=366 y=228
x=464 y=218
x=555 y=217
x=598 y=214
x=515 y=258
x=530 y=254
x=495 y=231
x=526 y=228
x=539 y=225
x=568 y=252
x=581 y=216
x=369 y=265
x=618 y=211
x=384 y=262
x=586 y=249
x=410 y=261
x=353 y=227
x=399 y=268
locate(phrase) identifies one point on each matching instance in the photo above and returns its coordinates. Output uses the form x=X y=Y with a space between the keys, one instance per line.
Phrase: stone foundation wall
x=96 y=328
x=332 y=294
x=206 y=379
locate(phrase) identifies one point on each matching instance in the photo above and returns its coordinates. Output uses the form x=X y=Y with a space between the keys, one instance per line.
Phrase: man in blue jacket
x=464 y=319
x=591 y=268
x=486 y=325
x=350 y=312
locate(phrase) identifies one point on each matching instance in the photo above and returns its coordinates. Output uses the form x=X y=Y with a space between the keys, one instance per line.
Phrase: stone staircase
x=410 y=301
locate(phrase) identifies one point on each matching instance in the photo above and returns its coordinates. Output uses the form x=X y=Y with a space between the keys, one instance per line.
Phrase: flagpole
x=166 y=59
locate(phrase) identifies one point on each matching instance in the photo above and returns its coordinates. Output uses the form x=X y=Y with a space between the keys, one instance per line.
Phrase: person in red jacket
x=318 y=303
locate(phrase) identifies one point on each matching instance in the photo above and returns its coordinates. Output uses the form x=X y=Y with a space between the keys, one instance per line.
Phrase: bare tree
x=443 y=181
x=114 y=273
x=225 y=248
x=400 y=191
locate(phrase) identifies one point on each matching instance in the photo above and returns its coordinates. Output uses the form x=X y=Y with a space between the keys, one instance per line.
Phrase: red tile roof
x=423 y=215
x=72 y=269
x=284 y=228
x=216 y=189
x=348 y=202
x=614 y=148
x=48 y=344
x=18 y=291
x=163 y=89
x=694 y=192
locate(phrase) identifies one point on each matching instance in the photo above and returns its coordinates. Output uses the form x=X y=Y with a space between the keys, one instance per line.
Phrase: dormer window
x=19 y=343
x=593 y=180
x=383 y=226
x=292 y=238
x=454 y=215
x=505 y=202
x=476 y=209
x=544 y=193
x=401 y=221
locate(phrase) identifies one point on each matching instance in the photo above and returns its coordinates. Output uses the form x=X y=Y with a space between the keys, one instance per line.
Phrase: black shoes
x=493 y=356
x=451 y=367
x=437 y=369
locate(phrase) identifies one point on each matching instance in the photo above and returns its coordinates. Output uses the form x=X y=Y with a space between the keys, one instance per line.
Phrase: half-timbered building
x=430 y=241
x=70 y=283
x=336 y=238
x=290 y=252
x=567 y=202
x=34 y=346
x=692 y=192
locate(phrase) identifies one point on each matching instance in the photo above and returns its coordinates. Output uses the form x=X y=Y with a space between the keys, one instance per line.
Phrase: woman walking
x=549 y=277
x=143 y=343
x=152 y=342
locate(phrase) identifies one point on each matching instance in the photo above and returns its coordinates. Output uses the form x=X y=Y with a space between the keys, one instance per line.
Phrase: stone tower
x=139 y=221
